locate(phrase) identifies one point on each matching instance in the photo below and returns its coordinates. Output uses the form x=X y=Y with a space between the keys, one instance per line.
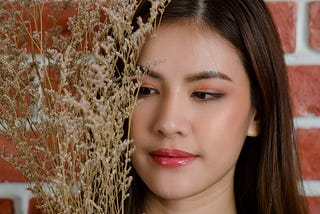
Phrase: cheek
x=225 y=124
x=221 y=139
x=137 y=129
x=139 y=123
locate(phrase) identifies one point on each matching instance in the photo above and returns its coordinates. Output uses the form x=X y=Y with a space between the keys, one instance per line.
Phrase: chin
x=172 y=193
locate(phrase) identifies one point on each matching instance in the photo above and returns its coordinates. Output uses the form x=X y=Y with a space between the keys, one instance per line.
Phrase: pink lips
x=172 y=157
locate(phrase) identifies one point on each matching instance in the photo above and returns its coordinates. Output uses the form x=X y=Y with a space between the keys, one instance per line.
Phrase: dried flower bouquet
x=66 y=99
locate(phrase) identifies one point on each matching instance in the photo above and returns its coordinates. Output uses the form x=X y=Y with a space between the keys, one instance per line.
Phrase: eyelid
x=145 y=91
x=147 y=84
x=204 y=95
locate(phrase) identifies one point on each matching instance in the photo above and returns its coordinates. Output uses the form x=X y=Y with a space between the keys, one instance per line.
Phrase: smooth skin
x=196 y=99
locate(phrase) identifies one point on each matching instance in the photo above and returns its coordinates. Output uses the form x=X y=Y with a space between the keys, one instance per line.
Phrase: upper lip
x=173 y=153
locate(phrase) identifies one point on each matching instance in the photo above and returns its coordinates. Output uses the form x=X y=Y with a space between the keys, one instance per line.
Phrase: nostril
x=171 y=129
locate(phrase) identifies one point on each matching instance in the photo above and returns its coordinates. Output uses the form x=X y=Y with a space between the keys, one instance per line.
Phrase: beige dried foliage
x=65 y=104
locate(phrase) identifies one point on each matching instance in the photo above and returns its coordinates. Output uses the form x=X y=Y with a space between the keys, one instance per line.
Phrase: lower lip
x=172 y=161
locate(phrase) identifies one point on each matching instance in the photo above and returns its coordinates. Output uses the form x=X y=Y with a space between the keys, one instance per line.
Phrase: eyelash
x=201 y=96
x=142 y=91
x=206 y=96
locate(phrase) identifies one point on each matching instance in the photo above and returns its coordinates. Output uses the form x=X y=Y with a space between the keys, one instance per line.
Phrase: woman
x=213 y=130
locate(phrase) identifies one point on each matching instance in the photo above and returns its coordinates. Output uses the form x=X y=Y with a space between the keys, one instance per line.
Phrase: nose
x=171 y=119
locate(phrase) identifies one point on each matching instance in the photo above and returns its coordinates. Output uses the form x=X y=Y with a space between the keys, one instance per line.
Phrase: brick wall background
x=298 y=22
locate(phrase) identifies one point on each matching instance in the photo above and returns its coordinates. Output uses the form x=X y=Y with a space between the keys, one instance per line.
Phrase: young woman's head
x=214 y=122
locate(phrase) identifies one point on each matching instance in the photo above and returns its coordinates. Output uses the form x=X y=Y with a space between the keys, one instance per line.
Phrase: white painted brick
x=312 y=187
x=307 y=122
x=18 y=193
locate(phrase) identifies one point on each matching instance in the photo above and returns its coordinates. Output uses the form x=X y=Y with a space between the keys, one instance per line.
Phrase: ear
x=254 y=125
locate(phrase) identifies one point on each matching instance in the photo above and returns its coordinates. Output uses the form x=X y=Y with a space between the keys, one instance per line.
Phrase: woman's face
x=193 y=115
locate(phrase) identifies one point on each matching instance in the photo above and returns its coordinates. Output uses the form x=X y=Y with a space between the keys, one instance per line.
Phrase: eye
x=206 y=95
x=145 y=91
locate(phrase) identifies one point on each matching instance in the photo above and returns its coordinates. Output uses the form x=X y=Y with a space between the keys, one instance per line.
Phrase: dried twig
x=65 y=100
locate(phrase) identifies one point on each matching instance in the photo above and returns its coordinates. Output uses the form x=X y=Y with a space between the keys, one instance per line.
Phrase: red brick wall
x=298 y=22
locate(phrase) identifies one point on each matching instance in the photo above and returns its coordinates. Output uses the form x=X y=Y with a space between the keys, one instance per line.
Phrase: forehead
x=185 y=31
x=186 y=47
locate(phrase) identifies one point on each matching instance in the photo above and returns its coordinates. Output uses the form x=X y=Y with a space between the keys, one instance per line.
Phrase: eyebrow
x=207 y=75
x=212 y=74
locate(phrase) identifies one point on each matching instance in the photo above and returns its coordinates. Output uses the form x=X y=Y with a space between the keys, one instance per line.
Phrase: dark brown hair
x=267 y=176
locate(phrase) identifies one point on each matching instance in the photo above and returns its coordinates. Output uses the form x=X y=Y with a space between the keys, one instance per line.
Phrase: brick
x=19 y=108
x=305 y=89
x=314 y=25
x=33 y=207
x=6 y=206
x=7 y=172
x=53 y=80
x=42 y=18
x=17 y=92
x=309 y=147
x=285 y=15
x=314 y=205
x=61 y=16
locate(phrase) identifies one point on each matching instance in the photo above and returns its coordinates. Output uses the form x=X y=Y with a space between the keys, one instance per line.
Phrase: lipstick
x=172 y=157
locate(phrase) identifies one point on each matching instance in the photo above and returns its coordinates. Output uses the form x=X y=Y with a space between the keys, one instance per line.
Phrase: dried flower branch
x=65 y=100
